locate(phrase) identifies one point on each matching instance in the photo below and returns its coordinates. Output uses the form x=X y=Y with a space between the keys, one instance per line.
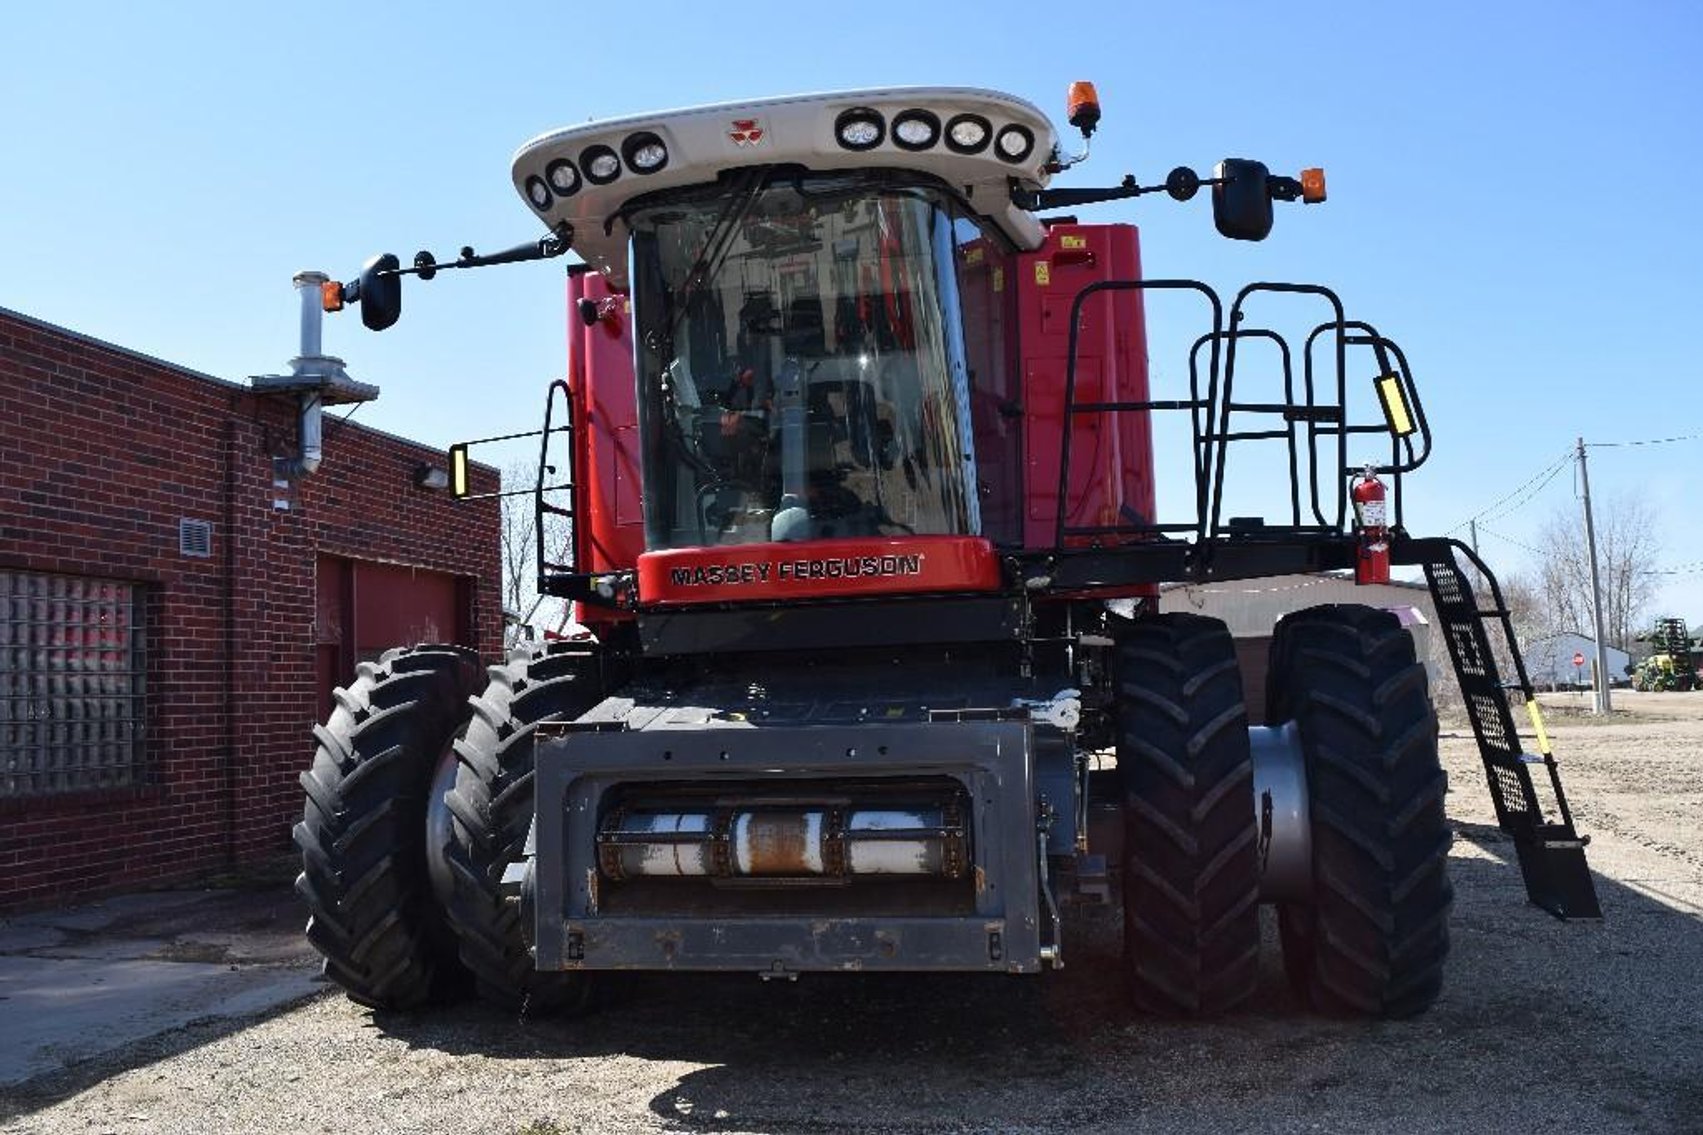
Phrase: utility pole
x=1472 y=526
x=1602 y=704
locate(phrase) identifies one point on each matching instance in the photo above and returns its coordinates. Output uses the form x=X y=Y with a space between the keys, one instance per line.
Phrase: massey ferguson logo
x=834 y=567
x=747 y=131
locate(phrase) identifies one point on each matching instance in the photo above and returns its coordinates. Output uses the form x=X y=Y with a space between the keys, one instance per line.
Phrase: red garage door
x=365 y=608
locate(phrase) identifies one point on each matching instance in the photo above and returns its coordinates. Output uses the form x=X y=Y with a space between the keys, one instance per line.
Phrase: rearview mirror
x=1241 y=199
x=380 y=295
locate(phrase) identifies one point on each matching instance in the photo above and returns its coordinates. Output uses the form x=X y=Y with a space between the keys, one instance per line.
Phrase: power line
x=1510 y=540
x=1517 y=505
x=1645 y=441
x=1547 y=474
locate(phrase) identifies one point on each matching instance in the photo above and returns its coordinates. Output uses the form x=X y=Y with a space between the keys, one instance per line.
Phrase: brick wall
x=102 y=452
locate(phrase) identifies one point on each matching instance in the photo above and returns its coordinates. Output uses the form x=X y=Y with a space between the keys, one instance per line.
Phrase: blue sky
x=1514 y=189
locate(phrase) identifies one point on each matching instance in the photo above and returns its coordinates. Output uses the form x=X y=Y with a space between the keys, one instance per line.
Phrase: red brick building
x=172 y=620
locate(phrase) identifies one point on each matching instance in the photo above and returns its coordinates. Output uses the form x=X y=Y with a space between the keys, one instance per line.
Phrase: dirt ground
x=1543 y=1026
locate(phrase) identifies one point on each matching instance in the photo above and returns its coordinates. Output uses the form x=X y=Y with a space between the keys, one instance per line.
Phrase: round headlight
x=968 y=134
x=538 y=193
x=644 y=152
x=1014 y=143
x=860 y=129
x=916 y=130
x=562 y=177
x=600 y=164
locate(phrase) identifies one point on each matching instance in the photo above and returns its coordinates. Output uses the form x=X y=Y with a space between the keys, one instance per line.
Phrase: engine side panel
x=1111 y=479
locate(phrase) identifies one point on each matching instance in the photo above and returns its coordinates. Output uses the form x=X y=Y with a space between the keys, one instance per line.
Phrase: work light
x=644 y=152
x=860 y=129
x=600 y=164
x=916 y=130
x=1014 y=143
x=563 y=177
x=968 y=134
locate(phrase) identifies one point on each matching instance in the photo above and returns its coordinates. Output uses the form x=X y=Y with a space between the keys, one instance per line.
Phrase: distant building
x=1549 y=661
x=172 y=621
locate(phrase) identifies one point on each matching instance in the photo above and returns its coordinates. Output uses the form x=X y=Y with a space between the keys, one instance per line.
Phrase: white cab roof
x=702 y=142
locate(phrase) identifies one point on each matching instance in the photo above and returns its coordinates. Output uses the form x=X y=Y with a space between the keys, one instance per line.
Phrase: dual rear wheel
x=1372 y=938
x=419 y=796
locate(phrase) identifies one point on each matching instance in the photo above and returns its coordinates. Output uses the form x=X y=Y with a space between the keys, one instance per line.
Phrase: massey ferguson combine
x=857 y=443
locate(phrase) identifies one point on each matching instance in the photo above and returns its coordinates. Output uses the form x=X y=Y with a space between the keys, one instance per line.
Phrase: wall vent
x=195 y=538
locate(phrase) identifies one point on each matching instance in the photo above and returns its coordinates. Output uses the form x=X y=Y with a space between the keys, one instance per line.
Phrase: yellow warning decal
x=1394 y=398
x=458 y=470
x=1537 y=726
x=1043 y=273
x=974 y=255
x=1068 y=241
x=998 y=279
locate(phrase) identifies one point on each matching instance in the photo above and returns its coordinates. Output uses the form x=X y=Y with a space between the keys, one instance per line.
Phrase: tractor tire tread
x=1191 y=876
x=492 y=806
x=1374 y=940
x=370 y=909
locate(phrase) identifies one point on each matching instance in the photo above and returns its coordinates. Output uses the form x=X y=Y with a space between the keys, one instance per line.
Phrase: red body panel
x=818 y=569
x=609 y=531
x=1111 y=460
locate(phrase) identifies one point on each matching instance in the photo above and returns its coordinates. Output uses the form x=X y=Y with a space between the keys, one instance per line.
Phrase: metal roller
x=771 y=842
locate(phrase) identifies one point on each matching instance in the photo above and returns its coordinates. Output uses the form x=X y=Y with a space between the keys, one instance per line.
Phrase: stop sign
x=1578 y=659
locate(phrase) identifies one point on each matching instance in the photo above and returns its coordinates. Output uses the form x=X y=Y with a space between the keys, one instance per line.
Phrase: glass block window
x=72 y=673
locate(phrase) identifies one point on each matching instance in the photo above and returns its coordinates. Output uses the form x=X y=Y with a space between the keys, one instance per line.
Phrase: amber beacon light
x=1082 y=106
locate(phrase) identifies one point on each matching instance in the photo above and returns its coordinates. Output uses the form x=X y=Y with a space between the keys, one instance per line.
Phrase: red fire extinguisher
x=1371 y=524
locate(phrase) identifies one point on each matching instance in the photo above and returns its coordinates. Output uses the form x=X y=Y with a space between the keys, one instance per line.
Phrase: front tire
x=1191 y=873
x=1374 y=939
x=372 y=912
x=492 y=806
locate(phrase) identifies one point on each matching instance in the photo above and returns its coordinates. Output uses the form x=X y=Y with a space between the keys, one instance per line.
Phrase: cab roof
x=977 y=141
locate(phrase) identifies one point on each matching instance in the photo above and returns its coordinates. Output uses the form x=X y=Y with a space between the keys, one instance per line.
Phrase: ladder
x=1551 y=851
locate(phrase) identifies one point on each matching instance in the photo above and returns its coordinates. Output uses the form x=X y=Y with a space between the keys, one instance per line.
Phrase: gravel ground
x=1544 y=1025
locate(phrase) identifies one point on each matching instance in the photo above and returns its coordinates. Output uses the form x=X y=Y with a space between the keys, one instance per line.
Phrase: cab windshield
x=801 y=362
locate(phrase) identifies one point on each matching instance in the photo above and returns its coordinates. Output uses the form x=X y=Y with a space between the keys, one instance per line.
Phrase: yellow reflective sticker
x=458 y=470
x=1390 y=393
x=1043 y=273
x=974 y=255
x=1068 y=241
x=1537 y=726
x=999 y=279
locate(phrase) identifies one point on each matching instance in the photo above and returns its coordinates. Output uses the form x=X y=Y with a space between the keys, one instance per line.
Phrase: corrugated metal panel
x=72 y=683
x=1252 y=607
x=1252 y=656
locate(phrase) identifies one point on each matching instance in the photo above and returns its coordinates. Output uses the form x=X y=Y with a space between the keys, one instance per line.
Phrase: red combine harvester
x=866 y=537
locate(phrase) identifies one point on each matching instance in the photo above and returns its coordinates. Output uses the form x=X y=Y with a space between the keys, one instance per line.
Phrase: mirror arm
x=1033 y=199
x=1182 y=183
x=559 y=241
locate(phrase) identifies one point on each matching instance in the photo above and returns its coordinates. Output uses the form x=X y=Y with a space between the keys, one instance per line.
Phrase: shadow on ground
x=1573 y=1020
x=1543 y=1025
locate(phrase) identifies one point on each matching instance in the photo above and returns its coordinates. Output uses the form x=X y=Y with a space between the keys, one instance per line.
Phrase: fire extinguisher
x=1371 y=525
